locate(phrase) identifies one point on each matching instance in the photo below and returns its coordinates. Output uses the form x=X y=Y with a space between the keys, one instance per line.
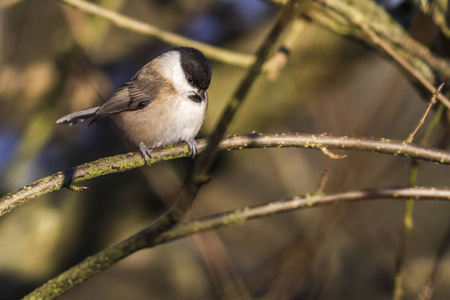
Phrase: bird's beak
x=203 y=95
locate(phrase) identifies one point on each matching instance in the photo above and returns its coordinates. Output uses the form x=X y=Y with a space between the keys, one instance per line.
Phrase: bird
x=164 y=103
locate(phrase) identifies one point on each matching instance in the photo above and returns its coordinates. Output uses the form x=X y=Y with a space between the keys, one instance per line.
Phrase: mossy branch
x=368 y=22
x=125 y=162
x=149 y=237
x=437 y=12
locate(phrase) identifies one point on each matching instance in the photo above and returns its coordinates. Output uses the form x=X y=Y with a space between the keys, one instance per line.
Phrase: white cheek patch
x=170 y=67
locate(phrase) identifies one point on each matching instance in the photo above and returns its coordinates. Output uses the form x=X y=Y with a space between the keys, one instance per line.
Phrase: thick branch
x=125 y=162
x=148 y=237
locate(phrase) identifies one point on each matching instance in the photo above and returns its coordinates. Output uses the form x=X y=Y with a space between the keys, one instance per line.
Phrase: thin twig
x=129 y=161
x=75 y=188
x=422 y=120
x=322 y=182
x=216 y=53
x=331 y=154
x=148 y=237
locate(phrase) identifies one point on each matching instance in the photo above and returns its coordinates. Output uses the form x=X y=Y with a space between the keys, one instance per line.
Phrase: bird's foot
x=145 y=151
x=192 y=146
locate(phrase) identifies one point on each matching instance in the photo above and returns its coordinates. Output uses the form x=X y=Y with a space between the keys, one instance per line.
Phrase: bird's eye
x=190 y=80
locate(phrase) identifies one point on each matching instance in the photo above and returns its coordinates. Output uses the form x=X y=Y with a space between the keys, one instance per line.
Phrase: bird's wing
x=132 y=95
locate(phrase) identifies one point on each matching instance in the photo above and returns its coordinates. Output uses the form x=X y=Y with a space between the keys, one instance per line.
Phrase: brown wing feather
x=135 y=94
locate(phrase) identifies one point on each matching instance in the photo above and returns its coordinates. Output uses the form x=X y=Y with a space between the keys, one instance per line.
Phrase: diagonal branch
x=336 y=15
x=382 y=32
x=367 y=21
x=129 y=161
x=216 y=53
x=148 y=237
x=199 y=174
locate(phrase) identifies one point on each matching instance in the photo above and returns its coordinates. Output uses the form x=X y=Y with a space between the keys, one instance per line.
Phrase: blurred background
x=55 y=60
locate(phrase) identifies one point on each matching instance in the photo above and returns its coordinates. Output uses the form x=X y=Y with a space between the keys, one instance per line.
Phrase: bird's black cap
x=196 y=67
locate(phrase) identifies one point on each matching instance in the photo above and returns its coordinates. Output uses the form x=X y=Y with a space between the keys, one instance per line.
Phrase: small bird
x=164 y=103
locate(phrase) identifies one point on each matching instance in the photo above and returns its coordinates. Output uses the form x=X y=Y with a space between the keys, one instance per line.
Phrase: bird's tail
x=78 y=116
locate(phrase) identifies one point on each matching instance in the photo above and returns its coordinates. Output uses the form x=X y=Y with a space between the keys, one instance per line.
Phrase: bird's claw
x=144 y=151
x=192 y=144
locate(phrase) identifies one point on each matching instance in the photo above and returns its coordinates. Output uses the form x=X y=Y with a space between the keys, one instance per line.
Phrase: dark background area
x=55 y=60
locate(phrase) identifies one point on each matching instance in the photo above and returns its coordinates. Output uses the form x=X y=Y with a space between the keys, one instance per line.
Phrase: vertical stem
x=408 y=223
x=427 y=290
